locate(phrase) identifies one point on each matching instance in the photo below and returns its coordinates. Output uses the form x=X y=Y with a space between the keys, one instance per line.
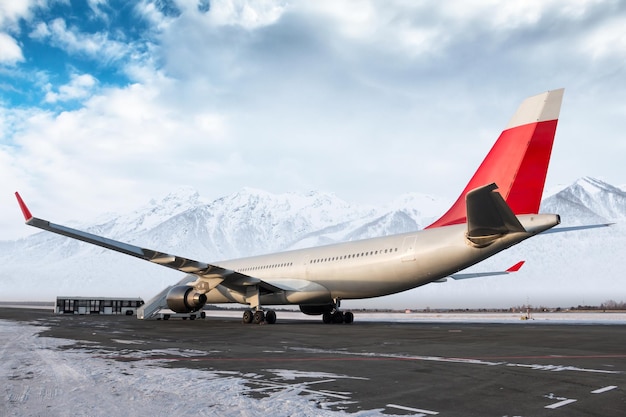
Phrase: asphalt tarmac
x=446 y=369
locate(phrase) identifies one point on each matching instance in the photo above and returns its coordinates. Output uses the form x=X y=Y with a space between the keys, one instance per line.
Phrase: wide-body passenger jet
x=497 y=209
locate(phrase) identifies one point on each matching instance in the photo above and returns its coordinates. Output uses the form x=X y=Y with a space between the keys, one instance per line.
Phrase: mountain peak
x=594 y=186
x=183 y=193
x=588 y=200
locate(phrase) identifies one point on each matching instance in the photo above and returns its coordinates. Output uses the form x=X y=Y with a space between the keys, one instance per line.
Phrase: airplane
x=498 y=208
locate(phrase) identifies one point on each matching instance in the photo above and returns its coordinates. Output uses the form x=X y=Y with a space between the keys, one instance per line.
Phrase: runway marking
x=560 y=404
x=416 y=410
x=560 y=368
x=562 y=401
x=277 y=384
x=299 y=387
x=605 y=389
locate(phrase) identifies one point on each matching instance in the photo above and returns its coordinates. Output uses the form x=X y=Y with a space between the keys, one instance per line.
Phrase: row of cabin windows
x=354 y=255
x=261 y=267
x=314 y=261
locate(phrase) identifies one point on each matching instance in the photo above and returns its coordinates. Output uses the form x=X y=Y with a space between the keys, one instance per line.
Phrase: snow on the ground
x=42 y=376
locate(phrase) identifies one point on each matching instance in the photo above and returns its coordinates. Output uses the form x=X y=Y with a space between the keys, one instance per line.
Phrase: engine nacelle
x=185 y=299
x=316 y=310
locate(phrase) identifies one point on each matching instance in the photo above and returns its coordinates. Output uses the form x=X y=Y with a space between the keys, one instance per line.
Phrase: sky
x=106 y=104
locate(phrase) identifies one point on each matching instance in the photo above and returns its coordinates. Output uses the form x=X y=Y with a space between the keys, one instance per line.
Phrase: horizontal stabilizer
x=577 y=228
x=469 y=275
x=488 y=216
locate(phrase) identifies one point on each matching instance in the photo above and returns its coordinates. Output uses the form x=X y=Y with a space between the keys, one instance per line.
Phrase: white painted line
x=560 y=404
x=605 y=389
x=268 y=385
x=417 y=410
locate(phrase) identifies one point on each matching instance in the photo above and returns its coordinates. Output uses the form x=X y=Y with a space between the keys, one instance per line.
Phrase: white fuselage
x=371 y=267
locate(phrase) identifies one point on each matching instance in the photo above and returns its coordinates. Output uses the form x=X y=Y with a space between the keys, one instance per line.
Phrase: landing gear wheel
x=338 y=317
x=247 y=316
x=348 y=317
x=259 y=317
x=270 y=317
x=327 y=318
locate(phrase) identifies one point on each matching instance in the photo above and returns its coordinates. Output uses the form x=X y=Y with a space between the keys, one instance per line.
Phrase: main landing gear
x=338 y=317
x=259 y=316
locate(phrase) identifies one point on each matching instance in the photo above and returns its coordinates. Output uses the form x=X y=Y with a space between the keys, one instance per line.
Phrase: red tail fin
x=518 y=161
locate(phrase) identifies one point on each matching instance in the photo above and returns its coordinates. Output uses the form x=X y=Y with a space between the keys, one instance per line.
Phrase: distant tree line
x=607 y=305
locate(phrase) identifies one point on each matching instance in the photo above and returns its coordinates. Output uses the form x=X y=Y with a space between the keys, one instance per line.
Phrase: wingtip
x=516 y=267
x=23 y=207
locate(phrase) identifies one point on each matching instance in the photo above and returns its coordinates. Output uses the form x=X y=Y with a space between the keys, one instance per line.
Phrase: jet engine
x=316 y=310
x=185 y=299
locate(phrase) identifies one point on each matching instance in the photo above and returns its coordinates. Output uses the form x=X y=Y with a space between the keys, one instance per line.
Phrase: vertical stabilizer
x=518 y=161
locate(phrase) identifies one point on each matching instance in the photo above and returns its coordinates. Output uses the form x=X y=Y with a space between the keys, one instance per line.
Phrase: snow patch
x=43 y=379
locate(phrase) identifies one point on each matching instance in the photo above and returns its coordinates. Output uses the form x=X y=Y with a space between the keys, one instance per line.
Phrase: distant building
x=97 y=305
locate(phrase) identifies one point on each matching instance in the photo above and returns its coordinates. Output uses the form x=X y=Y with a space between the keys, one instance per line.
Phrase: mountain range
x=562 y=269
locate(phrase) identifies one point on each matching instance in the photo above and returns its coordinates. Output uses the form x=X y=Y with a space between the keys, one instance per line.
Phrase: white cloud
x=79 y=87
x=248 y=14
x=12 y=11
x=148 y=10
x=607 y=40
x=96 y=7
x=95 y=45
x=10 y=51
x=109 y=146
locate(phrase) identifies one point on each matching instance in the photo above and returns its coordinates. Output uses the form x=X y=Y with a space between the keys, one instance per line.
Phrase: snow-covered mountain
x=253 y=221
x=588 y=200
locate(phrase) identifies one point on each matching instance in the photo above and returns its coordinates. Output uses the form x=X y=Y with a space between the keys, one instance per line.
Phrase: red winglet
x=25 y=210
x=516 y=267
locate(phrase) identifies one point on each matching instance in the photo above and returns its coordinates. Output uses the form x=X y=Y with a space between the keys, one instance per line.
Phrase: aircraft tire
x=270 y=317
x=327 y=318
x=247 y=317
x=348 y=317
x=259 y=317
x=338 y=317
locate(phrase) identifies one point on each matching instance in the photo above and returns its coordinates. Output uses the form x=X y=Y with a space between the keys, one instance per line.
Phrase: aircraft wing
x=214 y=274
x=512 y=269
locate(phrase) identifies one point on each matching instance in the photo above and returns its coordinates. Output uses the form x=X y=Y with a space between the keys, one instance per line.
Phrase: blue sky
x=105 y=104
